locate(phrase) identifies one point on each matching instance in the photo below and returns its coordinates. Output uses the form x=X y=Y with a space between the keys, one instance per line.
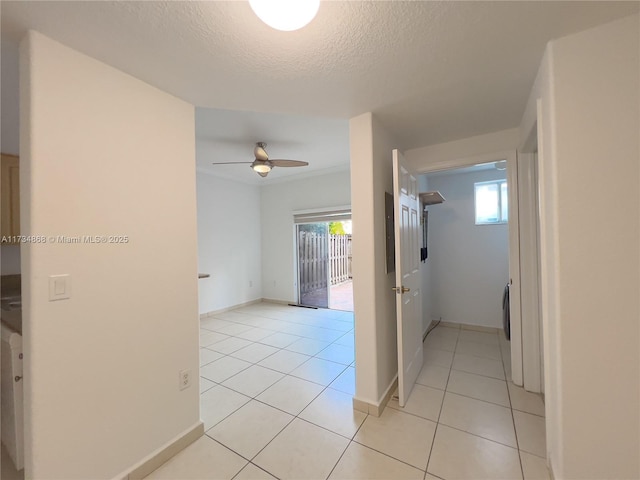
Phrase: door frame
x=514 y=241
x=294 y=251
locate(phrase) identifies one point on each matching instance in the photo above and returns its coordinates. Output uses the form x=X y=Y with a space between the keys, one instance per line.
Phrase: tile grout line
x=433 y=440
x=515 y=430
x=294 y=417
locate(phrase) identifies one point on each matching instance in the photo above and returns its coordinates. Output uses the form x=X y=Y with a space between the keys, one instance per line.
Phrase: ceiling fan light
x=261 y=167
x=262 y=174
x=285 y=15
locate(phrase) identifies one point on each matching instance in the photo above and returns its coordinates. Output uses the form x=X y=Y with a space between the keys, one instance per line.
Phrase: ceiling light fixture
x=261 y=167
x=285 y=15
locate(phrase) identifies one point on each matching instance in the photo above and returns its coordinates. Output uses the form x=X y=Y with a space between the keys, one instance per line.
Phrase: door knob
x=400 y=289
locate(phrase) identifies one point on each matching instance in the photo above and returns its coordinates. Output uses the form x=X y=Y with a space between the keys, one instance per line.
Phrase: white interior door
x=406 y=206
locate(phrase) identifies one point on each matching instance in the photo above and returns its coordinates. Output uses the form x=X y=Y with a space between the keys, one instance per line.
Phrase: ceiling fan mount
x=262 y=165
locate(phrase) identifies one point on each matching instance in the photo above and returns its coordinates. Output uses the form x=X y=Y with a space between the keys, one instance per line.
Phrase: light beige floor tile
x=531 y=433
x=229 y=316
x=208 y=356
x=210 y=338
x=479 y=349
x=448 y=345
x=480 y=418
x=205 y=384
x=428 y=476
x=441 y=358
x=234 y=329
x=480 y=337
x=255 y=334
x=214 y=323
x=402 y=436
x=347 y=339
x=284 y=361
x=362 y=463
x=255 y=352
x=250 y=428
x=337 y=353
x=319 y=371
x=251 y=472
x=534 y=467
x=446 y=330
x=458 y=455
x=226 y=367
x=346 y=382
x=442 y=341
x=324 y=334
x=507 y=367
x=476 y=386
x=334 y=411
x=302 y=451
x=217 y=403
x=229 y=345
x=423 y=401
x=525 y=401
x=279 y=339
x=478 y=365
x=204 y=458
x=253 y=381
x=275 y=325
x=308 y=346
x=338 y=325
x=433 y=376
x=290 y=394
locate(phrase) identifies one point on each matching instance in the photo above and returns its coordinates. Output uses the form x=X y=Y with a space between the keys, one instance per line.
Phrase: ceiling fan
x=262 y=165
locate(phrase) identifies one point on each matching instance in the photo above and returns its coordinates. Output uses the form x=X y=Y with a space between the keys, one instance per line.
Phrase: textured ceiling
x=431 y=71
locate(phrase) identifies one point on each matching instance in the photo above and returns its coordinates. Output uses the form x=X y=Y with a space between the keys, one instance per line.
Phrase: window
x=492 y=205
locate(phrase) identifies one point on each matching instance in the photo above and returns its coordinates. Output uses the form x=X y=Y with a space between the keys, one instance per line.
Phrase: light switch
x=59 y=287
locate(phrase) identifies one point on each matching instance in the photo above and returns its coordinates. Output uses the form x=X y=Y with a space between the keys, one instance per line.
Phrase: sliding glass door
x=313 y=264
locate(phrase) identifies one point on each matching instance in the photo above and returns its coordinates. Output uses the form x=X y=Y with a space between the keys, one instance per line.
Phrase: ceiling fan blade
x=288 y=163
x=229 y=163
x=259 y=152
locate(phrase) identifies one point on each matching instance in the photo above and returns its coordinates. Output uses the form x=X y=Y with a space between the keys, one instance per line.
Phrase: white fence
x=340 y=258
x=315 y=250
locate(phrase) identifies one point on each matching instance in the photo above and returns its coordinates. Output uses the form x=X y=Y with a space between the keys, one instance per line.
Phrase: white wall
x=229 y=243
x=278 y=202
x=9 y=133
x=425 y=268
x=458 y=150
x=588 y=128
x=103 y=153
x=374 y=301
x=469 y=263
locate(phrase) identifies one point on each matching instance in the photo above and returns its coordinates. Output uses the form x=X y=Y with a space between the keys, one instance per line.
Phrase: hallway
x=277 y=384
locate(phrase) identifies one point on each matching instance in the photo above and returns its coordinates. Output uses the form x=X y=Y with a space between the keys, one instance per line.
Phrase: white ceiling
x=230 y=135
x=431 y=71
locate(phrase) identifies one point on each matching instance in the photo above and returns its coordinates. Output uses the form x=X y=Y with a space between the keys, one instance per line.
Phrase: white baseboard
x=164 y=453
x=377 y=408
x=154 y=460
x=228 y=309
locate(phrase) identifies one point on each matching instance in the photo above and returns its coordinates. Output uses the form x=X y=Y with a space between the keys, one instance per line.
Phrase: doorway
x=323 y=260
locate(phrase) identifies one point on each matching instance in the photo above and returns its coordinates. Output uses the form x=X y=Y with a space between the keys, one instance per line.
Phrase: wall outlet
x=250 y=283
x=185 y=379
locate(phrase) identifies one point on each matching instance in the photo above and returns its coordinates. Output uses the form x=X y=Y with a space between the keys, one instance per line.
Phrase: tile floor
x=276 y=389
